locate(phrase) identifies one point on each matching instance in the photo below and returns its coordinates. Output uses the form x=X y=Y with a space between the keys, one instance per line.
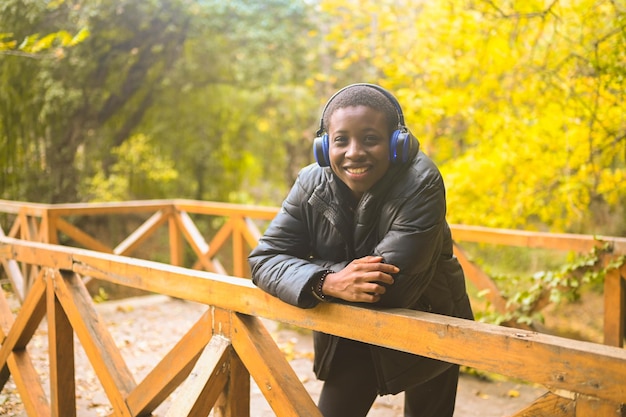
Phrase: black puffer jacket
x=402 y=219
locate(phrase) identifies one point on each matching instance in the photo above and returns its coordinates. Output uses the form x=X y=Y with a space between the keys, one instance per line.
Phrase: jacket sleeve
x=413 y=242
x=280 y=263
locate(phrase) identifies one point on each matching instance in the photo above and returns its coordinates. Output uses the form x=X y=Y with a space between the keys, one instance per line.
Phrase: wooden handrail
x=38 y=277
x=508 y=237
x=560 y=241
x=582 y=375
x=240 y=229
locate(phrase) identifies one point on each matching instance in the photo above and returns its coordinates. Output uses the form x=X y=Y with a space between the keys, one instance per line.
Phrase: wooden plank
x=593 y=407
x=213 y=248
x=240 y=255
x=33 y=226
x=36 y=253
x=213 y=208
x=579 y=243
x=28 y=385
x=110 y=208
x=220 y=238
x=176 y=242
x=481 y=280
x=559 y=241
x=51 y=229
x=205 y=251
x=143 y=232
x=221 y=321
x=5 y=373
x=191 y=232
x=267 y=365
x=549 y=405
x=614 y=307
x=215 y=266
x=27 y=321
x=6 y=322
x=45 y=234
x=14 y=231
x=235 y=399
x=97 y=342
x=599 y=370
x=21 y=366
x=556 y=363
x=252 y=233
x=12 y=269
x=25 y=231
x=195 y=240
x=205 y=383
x=15 y=207
x=61 y=357
x=81 y=237
x=534 y=357
x=172 y=370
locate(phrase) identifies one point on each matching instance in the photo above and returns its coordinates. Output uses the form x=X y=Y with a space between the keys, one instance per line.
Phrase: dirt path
x=146 y=328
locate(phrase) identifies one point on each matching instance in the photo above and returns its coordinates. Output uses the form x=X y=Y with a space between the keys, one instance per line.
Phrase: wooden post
x=108 y=363
x=614 y=306
x=239 y=254
x=48 y=227
x=266 y=363
x=235 y=398
x=207 y=379
x=176 y=241
x=172 y=370
x=235 y=401
x=61 y=354
x=20 y=366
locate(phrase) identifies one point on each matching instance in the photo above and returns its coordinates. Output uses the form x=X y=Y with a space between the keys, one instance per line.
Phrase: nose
x=355 y=150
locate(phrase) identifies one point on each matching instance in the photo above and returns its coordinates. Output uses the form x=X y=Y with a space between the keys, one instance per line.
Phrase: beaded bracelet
x=316 y=289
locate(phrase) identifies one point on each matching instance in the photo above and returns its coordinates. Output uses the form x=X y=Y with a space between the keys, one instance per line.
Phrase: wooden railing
x=239 y=231
x=228 y=344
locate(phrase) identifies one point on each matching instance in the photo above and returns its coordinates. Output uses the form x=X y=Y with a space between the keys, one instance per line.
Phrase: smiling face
x=358 y=139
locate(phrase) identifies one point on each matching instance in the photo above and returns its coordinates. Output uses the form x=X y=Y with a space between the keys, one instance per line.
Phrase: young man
x=366 y=225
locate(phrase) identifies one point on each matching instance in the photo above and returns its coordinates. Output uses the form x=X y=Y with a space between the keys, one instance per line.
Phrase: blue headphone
x=400 y=142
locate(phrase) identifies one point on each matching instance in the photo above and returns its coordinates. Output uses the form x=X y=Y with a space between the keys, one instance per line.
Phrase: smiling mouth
x=356 y=171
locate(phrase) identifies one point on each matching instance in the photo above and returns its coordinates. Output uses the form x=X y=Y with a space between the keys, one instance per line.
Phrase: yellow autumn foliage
x=521 y=104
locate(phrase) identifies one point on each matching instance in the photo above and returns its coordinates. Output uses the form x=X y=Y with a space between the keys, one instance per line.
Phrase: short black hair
x=362 y=95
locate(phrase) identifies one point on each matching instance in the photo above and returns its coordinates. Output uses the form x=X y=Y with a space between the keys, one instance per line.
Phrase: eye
x=372 y=140
x=340 y=140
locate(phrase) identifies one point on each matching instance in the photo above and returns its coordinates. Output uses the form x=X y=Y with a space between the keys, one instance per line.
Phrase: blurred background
x=521 y=104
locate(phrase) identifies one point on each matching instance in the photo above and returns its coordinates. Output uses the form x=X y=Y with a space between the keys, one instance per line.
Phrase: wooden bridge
x=214 y=360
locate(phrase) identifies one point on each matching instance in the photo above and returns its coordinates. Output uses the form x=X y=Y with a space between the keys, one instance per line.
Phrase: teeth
x=357 y=170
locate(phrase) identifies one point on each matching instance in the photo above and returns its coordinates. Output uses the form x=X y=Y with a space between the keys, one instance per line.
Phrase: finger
x=391 y=269
x=376 y=289
x=374 y=267
x=380 y=278
x=369 y=259
x=369 y=297
x=374 y=263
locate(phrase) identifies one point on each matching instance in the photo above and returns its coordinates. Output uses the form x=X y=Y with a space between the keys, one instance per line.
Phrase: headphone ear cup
x=320 y=150
x=399 y=147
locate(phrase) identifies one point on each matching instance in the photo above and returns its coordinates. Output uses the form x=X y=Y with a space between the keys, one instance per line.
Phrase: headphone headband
x=402 y=144
x=386 y=93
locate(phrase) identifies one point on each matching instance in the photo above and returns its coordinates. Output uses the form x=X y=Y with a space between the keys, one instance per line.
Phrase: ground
x=145 y=328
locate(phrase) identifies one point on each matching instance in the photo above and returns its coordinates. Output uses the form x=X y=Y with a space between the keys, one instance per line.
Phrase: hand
x=360 y=280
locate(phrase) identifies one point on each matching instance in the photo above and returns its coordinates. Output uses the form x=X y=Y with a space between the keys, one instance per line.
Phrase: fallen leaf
x=482 y=395
x=513 y=393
